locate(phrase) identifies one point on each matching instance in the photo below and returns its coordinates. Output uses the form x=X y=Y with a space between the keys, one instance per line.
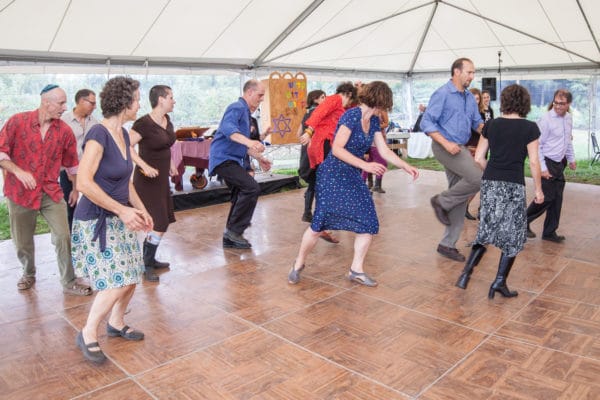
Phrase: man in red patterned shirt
x=33 y=147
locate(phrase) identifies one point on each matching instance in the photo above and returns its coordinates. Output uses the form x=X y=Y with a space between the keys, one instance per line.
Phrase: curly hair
x=376 y=94
x=312 y=97
x=515 y=99
x=117 y=95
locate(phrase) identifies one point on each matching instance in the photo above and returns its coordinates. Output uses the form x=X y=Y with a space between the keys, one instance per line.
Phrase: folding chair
x=595 y=148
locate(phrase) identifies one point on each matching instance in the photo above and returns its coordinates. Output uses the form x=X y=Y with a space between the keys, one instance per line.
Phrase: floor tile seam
x=456 y=365
x=117 y=364
x=539 y=346
x=435 y=317
x=188 y=354
x=581 y=260
x=533 y=298
x=343 y=290
x=570 y=300
x=329 y=361
x=98 y=389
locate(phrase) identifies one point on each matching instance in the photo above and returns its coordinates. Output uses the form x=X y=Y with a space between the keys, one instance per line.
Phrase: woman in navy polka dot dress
x=343 y=200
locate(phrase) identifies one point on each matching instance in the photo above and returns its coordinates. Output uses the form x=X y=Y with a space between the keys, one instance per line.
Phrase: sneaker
x=451 y=253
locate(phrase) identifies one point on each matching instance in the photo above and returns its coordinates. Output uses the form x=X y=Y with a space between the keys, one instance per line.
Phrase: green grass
x=41 y=226
x=583 y=174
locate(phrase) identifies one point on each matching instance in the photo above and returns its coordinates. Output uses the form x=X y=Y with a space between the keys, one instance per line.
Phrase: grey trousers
x=22 y=229
x=464 y=180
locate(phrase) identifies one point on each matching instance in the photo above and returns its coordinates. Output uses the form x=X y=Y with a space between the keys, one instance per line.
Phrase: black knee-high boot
x=476 y=253
x=149 y=253
x=499 y=285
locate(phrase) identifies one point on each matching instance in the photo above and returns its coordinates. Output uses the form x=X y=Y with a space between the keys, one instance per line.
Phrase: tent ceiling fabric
x=388 y=36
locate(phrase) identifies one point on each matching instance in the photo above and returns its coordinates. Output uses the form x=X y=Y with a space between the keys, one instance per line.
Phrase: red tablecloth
x=188 y=153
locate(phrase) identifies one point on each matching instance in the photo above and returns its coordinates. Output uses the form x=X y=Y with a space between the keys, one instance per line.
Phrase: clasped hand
x=136 y=220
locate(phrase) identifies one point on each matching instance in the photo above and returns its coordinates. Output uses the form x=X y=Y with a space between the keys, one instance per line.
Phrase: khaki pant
x=22 y=229
x=464 y=180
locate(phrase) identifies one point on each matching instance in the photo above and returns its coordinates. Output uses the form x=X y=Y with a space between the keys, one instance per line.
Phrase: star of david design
x=281 y=125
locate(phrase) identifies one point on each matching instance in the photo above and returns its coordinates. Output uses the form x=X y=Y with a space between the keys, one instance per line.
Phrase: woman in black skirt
x=503 y=223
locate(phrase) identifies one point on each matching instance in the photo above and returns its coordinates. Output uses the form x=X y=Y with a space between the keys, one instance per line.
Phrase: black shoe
x=96 y=356
x=440 y=213
x=229 y=244
x=125 y=333
x=451 y=253
x=149 y=274
x=469 y=216
x=530 y=233
x=235 y=238
x=160 y=264
x=554 y=238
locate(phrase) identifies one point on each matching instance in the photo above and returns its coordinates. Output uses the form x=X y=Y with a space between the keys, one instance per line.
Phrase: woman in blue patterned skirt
x=503 y=221
x=105 y=248
x=343 y=200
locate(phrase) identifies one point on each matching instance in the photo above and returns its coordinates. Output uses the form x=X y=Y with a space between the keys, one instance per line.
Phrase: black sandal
x=96 y=356
x=124 y=333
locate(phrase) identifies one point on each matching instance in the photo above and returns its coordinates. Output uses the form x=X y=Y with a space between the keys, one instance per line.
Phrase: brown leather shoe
x=440 y=213
x=451 y=253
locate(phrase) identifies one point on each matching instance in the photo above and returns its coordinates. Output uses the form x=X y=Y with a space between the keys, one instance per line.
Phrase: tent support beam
x=162 y=10
x=521 y=32
x=350 y=31
x=62 y=19
x=422 y=40
x=286 y=32
x=588 y=25
x=40 y=58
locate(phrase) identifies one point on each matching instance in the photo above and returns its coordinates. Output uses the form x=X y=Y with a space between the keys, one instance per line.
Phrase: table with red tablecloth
x=194 y=153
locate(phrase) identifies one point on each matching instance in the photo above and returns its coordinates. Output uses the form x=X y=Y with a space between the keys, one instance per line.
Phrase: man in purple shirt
x=556 y=150
x=450 y=116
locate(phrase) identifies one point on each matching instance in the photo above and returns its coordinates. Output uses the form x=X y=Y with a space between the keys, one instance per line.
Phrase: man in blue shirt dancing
x=450 y=115
x=227 y=152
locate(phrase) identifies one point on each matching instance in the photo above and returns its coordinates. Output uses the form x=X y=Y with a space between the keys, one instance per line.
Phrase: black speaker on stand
x=489 y=84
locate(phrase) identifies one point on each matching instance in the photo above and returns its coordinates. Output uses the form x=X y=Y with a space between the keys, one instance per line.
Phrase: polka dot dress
x=343 y=200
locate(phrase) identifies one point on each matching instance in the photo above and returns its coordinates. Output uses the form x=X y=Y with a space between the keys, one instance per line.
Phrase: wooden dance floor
x=225 y=324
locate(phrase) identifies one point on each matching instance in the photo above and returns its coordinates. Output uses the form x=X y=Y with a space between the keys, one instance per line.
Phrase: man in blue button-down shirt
x=227 y=152
x=450 y=115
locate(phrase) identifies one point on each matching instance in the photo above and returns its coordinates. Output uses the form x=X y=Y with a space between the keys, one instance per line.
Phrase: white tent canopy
x=397 y=37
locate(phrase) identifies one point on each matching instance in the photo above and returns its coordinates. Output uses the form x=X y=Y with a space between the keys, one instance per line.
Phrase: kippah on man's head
x=48 y=88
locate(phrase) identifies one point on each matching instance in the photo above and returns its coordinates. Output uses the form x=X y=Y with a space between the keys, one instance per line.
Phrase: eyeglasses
x=48 y=88
x=560 y=103
x=91 y=102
